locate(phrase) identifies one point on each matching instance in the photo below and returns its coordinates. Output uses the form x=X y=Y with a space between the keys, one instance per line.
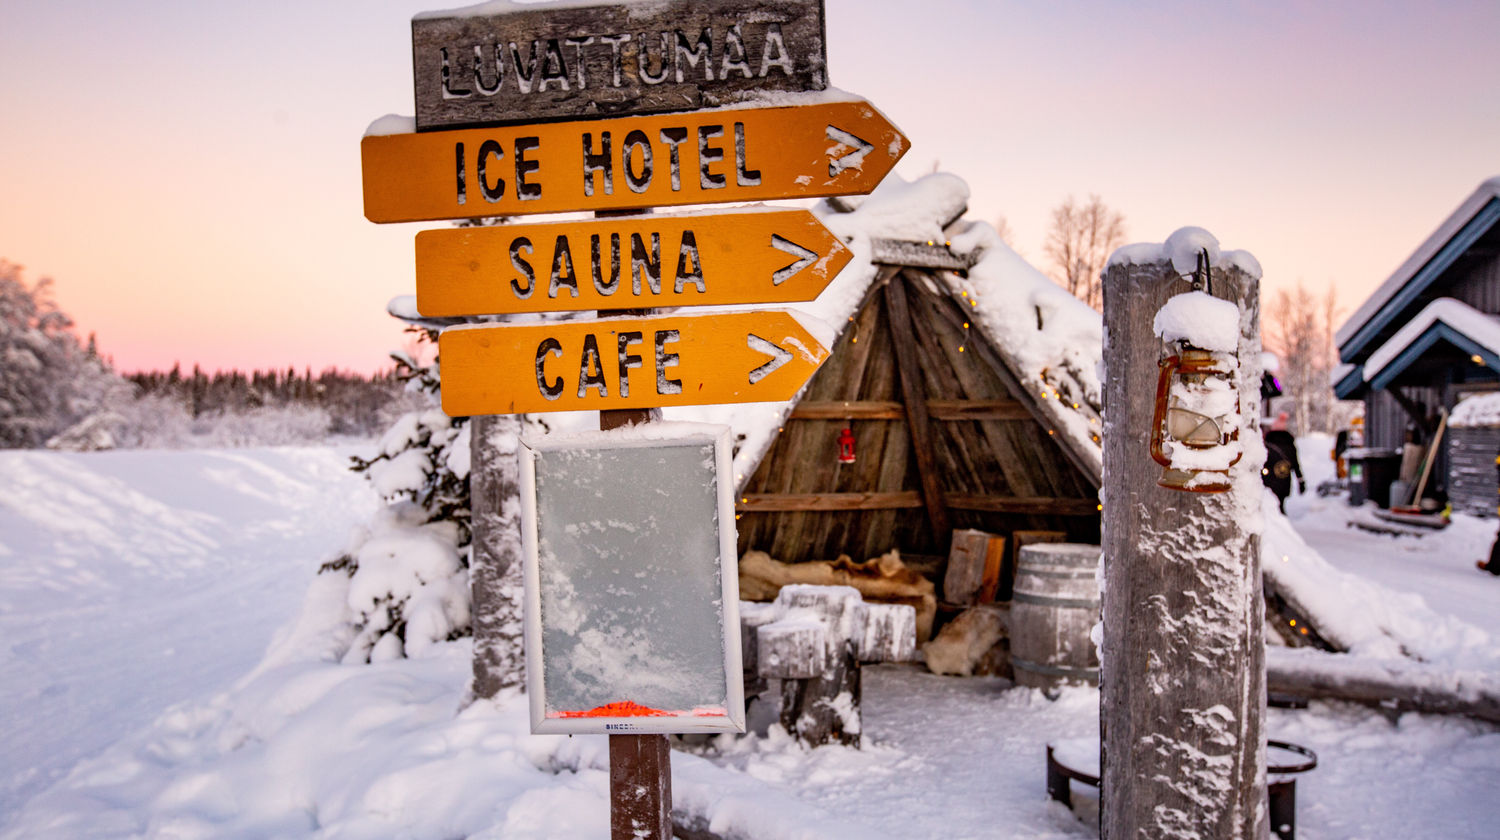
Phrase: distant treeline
x=356 y=404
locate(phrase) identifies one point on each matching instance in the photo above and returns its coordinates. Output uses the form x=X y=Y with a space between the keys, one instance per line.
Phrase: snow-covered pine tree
x=408 y=569
x=48 y=380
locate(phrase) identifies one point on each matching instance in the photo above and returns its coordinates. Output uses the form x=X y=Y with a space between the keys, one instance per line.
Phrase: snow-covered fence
x=811 y=641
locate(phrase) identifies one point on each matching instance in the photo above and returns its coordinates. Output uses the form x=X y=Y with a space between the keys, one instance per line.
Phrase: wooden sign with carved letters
x=627 y=262
x=527 y=64
x=613 y=363
x=731 y=154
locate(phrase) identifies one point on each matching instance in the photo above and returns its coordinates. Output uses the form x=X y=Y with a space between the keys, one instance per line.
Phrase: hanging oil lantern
x=1195 y=427
x=1195 y=430
x=846 y=447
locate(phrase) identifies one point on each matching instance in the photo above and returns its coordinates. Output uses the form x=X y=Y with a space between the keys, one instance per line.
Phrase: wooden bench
x=811 y=641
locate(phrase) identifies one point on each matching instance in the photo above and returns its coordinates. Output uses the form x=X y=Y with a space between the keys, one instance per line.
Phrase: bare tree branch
x=1079 y=242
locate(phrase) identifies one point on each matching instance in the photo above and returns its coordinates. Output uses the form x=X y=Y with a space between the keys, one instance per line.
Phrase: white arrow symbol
x=804 y=258
x=778 y=356
x=850 y=160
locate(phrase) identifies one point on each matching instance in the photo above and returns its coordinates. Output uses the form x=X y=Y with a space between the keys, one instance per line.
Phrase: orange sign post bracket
x=701 y=157
x=629 y=262
x=613 y=363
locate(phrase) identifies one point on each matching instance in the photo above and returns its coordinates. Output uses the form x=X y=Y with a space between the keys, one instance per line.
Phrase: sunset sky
x=188 y=172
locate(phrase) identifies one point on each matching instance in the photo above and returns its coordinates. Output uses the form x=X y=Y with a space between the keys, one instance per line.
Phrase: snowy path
x=1439 y=567
x=132 y=581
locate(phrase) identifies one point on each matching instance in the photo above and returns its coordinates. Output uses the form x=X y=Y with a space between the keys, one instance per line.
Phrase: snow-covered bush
x=409 y=570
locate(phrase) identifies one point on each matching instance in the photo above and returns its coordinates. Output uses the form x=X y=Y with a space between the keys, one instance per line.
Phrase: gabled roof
x=1445 y=319
x=1475 y=217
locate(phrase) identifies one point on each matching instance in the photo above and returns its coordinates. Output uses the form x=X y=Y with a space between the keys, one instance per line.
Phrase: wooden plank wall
x=999 y=469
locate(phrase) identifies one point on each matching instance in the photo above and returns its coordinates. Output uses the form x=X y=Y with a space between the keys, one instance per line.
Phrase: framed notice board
x=632 y=592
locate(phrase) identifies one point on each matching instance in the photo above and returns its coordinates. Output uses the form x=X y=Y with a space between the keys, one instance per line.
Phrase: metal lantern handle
x=1168 y=367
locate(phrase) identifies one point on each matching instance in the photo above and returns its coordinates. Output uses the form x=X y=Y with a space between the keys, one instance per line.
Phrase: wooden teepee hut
x=957 y=421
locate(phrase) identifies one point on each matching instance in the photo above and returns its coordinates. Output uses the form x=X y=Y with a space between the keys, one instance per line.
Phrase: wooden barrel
x=1054 y=607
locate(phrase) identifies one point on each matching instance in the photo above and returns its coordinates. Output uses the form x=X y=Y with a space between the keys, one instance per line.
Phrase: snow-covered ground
x=140 y=590
x=1438 y=566
x=134 y=580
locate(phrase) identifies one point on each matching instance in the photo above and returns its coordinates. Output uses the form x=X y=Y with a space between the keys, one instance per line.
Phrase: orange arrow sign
x=634 y=262
x=727 y=357
x=698 y=157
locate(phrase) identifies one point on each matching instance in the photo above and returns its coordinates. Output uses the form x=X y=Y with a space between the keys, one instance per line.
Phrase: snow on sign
x=505 y=63
x=818 y=148
x=631 y=588
x=613 y=363
x=755 y=256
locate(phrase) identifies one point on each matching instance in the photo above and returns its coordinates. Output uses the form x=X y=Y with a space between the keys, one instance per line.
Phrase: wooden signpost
x=619 y=363
x=560 y=61
x=633 y=262
x=519 y=93
x=699 y=157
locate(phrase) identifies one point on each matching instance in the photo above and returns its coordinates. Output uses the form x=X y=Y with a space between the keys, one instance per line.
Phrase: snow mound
x=1362 y=616
x=1181 y=250
x=1476 y=411
x=1201 y=320
x=1054 y=341
x=316 y=750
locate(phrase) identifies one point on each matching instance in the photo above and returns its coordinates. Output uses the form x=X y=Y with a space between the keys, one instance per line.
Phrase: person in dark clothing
x=1493 y=567
x=1281 y=463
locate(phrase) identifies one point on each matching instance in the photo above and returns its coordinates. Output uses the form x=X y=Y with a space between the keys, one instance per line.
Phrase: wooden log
x=890 y=633
x=945 y=410
x=825 y=708
x=1394 y=684
x=753 y=615
x=899 y=252
x=973 y=409
x=792 y=648
x=1047 y=505
x=750 y=502
x=847 y=410
x=1183 y=657
x=904 y=342
x=841 y=609
x=973 y=573
x=495 y=566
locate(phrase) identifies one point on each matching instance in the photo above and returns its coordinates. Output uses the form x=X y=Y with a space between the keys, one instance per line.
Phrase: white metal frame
x=684 y=434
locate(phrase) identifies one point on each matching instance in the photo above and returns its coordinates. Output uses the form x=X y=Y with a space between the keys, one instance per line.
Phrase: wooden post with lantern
x=1182 y=676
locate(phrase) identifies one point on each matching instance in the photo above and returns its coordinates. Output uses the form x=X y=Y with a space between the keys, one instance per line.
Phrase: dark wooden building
x=1429 y=335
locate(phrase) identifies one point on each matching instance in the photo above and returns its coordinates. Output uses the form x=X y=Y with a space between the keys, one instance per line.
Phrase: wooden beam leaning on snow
x=1397 y=684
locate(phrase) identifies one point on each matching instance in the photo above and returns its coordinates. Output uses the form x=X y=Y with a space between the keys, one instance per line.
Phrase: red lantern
x=846 y=447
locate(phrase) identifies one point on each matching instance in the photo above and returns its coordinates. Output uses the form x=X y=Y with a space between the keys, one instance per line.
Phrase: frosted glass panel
x=629 y=577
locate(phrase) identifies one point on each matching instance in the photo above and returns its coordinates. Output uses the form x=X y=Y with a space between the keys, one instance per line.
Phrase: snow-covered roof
x=1443 y=319
x=1474 y=216
x=1479 y=410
